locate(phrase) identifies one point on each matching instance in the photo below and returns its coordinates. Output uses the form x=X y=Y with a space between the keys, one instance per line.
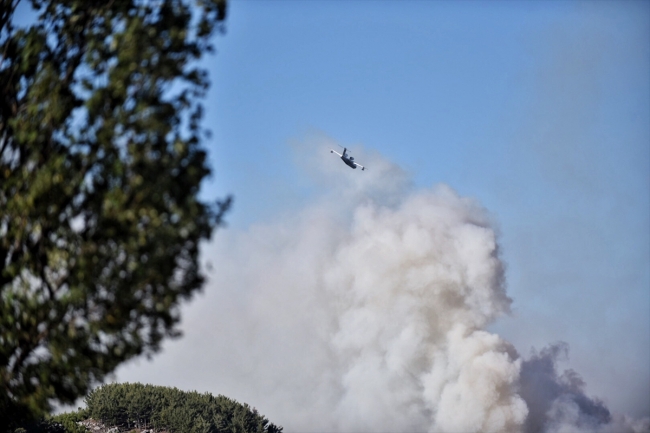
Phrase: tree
x=100 y=168
x=171 y=409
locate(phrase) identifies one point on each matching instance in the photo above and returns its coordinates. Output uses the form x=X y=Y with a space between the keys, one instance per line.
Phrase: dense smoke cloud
x=413 y=286
x=557 y=402
x=548 y=395
x=367 y=311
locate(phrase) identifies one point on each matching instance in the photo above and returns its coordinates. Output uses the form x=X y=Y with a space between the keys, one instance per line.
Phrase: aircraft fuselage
x=349 y=163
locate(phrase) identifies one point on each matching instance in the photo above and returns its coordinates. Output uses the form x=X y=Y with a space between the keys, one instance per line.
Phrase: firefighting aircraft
x=349 y=160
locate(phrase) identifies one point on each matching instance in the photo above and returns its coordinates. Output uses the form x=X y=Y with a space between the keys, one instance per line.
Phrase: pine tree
x=100 y=168
x=172 y=410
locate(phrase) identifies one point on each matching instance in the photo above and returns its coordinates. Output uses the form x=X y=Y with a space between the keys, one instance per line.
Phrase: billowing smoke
x=366 y=311
x=557 y=402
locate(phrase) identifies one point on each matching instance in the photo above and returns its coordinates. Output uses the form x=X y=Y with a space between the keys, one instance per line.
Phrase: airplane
x=349 y=160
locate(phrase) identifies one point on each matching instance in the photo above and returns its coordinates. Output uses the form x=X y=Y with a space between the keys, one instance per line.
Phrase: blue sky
x=539 y=110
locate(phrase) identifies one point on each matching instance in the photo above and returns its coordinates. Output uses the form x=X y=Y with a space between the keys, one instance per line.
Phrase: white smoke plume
x=366 y=311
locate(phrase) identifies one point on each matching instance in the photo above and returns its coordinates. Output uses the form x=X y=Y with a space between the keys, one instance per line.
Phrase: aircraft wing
x=334 y=151
x=359 y=165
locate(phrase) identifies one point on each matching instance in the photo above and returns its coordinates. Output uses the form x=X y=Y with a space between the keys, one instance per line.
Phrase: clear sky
x=539 y=110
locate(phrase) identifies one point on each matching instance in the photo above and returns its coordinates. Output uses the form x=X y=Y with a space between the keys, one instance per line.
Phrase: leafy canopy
x=100 y=168
x=137 y=406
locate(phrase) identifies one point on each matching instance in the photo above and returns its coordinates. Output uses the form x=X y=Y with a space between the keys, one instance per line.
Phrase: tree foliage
x=67 y=422
x=137 y=406
x=100 y=168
